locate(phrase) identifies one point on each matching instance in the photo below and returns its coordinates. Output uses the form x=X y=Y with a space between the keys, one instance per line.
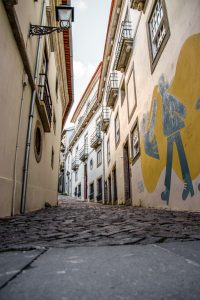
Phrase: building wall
x=179 y=66
x=95 y=172
x=15 y=99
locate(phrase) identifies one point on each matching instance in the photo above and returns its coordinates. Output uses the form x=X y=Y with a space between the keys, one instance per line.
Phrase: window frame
x=91 y=184
x=99 y=162
x=134 y=158
x=117 y=141
x=154 y=60
x=108 y=150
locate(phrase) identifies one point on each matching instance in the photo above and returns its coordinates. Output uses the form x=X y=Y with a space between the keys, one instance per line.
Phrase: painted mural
x=172 y=134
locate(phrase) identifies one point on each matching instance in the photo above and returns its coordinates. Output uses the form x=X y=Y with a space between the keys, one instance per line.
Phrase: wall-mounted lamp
x=64 y=15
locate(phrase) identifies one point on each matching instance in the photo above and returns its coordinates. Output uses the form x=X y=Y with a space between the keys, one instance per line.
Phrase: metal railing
x=126 y=32
x=113 y=82
x=105 y=114
x=83 y=153
x=75 y=163
x=44 y=94
x=95 y=137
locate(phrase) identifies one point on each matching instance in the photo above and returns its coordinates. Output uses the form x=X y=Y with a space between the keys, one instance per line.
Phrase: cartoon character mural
x=172 y=135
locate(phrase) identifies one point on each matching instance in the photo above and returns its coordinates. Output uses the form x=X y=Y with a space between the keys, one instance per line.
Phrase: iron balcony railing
x=112 y=89
x=126 y=33
x=83 y=153
x=105 y=115
x=44 y=94
x=105 y=118
x=113 y=82
x=95 y=139
x=75 y=163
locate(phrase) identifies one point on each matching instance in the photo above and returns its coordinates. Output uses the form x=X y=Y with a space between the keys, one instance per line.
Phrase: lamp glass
x=64 y=14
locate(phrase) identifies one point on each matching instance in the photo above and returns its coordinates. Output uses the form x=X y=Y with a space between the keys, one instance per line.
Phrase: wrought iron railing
x=126 y=32
x=113 y=82
x=95 y=137
x=105 y=114
x=83 y=153
x=75 y=163
x=44 y=94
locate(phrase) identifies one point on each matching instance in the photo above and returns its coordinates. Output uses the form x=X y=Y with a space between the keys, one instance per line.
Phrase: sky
x=89 y=33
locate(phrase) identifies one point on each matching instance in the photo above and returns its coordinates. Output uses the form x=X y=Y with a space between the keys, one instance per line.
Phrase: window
x=76 y=175
x=91 y=164
x=135 y=142
x=98 y=126
x=75 y=192
x=38 y=143
x=56 y=88
x=122 y=92
x=117 y=130
x=99 y=157
x=108 y=150
x=99 y=189
x=79 y=190
x=52 y=158
x=158 y=31
x=91 y=195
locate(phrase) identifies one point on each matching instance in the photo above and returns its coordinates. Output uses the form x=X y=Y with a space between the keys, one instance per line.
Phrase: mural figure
x=173 y=114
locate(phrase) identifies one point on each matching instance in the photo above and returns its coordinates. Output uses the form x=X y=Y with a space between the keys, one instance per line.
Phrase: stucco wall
x=42 y=179
x=179 y=65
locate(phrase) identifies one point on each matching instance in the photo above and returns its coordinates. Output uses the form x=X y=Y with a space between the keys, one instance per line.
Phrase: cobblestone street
x=75 y=223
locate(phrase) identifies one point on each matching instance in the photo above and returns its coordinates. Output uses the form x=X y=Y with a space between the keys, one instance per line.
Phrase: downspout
x=103 y=172
x=30 y=121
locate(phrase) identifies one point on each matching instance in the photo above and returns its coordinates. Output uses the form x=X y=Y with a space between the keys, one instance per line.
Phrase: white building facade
x=84 y=159
x=149 y=81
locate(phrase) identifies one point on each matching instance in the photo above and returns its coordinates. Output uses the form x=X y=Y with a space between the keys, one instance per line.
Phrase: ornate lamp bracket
x=43 y=30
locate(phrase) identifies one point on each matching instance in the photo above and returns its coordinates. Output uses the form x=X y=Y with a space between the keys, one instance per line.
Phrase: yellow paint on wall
x=186 y=88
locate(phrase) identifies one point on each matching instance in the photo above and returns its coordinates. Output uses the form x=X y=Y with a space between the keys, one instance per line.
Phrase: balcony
x=112 y=89
x=124 y=46
x=105 y=118
x=75 y=163
x=95 y=139
x=83 y=153
x=44 y=103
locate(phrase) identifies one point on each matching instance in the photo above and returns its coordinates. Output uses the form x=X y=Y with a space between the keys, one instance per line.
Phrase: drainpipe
x=30 y=121
x=103 y=172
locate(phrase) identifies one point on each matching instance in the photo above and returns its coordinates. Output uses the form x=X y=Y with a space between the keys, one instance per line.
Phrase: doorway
x=127 y=173
x=109 y=191
x=114 y=175
x=85 y=182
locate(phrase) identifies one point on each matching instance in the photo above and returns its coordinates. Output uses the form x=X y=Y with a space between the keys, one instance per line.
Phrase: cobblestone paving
x=79 y=224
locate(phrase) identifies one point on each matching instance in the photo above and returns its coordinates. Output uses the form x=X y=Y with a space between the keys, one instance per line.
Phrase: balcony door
x=109 y=190
x=127 y=173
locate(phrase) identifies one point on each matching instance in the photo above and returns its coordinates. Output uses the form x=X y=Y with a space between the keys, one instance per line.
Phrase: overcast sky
x=89 y=33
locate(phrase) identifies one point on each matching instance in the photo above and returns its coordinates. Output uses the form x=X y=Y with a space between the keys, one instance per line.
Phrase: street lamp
x=64 y=15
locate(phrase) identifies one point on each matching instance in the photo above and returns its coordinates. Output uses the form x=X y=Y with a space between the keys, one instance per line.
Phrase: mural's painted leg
x=188 y=186
x=168 y=174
